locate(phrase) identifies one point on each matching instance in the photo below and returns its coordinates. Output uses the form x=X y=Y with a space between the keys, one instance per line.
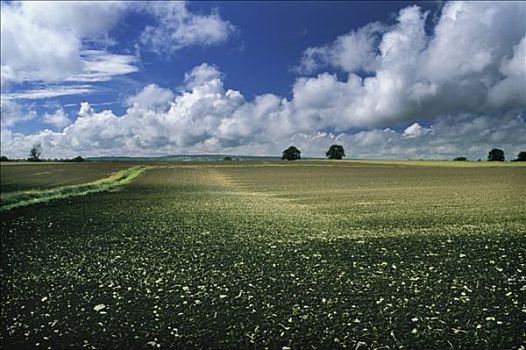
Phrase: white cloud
x=58 y=119
x=151 y=97
x=12 y=113
x=511 y=90
x=55 y=42
x=473 y=63
x=379 y=99
x=353 y=51
x=178 y=28
x=48 y=92
x=102 y=66
x=43 y=41
x=472 y=37
x=201 y=74
x=416 y=130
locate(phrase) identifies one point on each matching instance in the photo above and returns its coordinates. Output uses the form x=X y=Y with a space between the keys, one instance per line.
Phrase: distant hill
x=182 y=157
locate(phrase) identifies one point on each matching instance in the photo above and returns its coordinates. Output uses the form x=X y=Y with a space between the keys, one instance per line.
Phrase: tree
x=291 y=153
x=521 y=157
x=335 y=152
x=496 y=155
x=4 y=159
x=460 y=159
x=35 y=153
x=227 y=158
x=78 y=159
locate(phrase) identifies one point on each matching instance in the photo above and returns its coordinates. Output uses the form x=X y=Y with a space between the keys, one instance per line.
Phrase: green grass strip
x=18 y=199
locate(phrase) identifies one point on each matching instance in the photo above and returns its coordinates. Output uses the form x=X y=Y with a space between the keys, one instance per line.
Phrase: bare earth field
x=16 y=176
x=301 y=255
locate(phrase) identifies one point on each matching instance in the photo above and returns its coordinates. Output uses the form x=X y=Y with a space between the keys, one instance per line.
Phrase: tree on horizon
x=335 y=152
x=35 y=152
x=496 y=155
x=521 y=157
x=291 y=153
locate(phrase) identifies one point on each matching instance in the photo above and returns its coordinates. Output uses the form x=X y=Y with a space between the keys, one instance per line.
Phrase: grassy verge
x=24 y=198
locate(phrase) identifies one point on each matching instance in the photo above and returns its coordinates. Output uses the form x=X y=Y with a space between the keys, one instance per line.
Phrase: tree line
x=497 y=155
x=338 y=152
x=35 y=155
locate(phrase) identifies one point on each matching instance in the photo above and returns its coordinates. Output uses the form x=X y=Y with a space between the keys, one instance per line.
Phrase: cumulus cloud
x=472 y=38
x=58 y=119
x=511 y=90
x=201 y=74
x=151 y=97
x=416 y=130
x=177 y=27
x=205 y=117
x=353 y=51
x=379 y=99
x=210 y=118
x=472 y=63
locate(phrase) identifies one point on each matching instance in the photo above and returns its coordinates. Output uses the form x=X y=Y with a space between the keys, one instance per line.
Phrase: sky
x=390 y=80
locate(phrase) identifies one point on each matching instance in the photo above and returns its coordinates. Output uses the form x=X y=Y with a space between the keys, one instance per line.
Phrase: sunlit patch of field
x=272 y=255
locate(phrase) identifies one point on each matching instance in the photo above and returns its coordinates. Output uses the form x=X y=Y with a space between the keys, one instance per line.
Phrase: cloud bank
x=459 y=90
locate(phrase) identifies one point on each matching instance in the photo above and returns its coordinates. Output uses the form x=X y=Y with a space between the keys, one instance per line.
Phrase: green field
x=302 y=255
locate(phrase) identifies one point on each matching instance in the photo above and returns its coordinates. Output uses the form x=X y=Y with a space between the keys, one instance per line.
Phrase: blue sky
x=385 y=79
